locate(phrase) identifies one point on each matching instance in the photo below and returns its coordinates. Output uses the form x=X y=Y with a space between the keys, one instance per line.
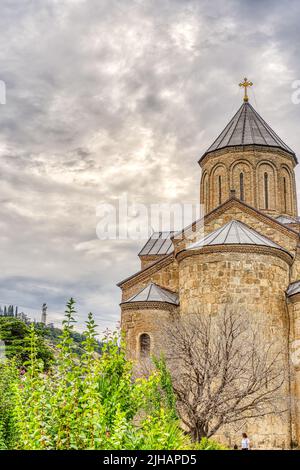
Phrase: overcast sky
x=110 y=97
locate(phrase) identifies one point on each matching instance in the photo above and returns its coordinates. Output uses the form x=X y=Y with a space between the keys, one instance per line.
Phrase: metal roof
x=247 y=127
x=158 y=244
x=283 y=219
x=293 y=288
x=154 y=293
x=234 y=233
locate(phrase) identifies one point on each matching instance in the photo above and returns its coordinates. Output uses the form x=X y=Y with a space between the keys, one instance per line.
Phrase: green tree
x=14 y=333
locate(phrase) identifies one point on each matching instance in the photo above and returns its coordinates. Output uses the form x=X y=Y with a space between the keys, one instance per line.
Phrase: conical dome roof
x=234 y=233
x=154 y=293
x=247 y=127
x=294 y=288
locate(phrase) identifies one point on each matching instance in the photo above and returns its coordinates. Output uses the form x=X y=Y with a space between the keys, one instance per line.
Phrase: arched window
x=242 y=193
x=145 y=345
x=206 y=196
x=220 y=190
x=266 y=188
x=284 y=195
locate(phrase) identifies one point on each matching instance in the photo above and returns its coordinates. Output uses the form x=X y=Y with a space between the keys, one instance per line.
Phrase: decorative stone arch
x=267 y=184
x=295 y=197
x=286 y=190
x=144 y=345
x=204 y=191
x=242 y=180
x=219 y=185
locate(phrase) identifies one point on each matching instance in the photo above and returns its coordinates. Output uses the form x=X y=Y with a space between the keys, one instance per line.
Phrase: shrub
x=91 y=401
x=208 y=444
x=87 y=401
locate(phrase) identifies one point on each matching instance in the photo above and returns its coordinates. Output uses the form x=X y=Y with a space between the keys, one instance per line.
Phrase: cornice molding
x=244 y=148
x=152 y=305
x=261 y=250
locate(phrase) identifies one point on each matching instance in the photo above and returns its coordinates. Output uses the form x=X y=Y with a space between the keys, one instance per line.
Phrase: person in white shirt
x=245 y=442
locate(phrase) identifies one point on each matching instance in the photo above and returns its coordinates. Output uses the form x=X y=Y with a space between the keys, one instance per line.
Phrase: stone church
x=249 y=252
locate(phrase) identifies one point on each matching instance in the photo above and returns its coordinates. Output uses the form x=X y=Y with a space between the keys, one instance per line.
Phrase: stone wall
x=153 y=321
x=164 y=274
x=255 y=284
x=294 y=311
x=221 y=172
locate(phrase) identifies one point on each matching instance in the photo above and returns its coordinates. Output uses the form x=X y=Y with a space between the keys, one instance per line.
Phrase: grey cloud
x=106 y=97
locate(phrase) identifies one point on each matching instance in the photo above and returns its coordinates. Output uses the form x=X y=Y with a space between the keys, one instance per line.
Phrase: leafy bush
x=87 y=401
x=7 y=429
x=208 y=444
x=90 y=401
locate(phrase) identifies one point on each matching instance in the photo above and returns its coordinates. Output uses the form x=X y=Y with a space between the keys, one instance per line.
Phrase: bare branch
x=223 y=372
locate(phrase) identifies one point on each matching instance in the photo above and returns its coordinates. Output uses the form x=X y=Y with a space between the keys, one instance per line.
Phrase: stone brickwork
x=153 y=320
x=221 y=172
x=147 y=260
x=254 y=282
x=254 y=285
x=163 y=273
x=294 y=312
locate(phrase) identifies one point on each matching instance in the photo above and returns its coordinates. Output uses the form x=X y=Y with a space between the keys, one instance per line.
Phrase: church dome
x=247 y=127
x=248 y=157
x=154 y=293
x=234 y=233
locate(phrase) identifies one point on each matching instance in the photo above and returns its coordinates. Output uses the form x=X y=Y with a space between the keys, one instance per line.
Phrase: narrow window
x=284 y=195
x=206 y=196
x=145 y=345
x=242 y=195
x=266 y=178
x=220 y=190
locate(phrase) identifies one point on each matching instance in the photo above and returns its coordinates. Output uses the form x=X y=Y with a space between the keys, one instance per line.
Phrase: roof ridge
x=258 y=128
x=249 y=235
x=235 y=224
x=149 y=290
x=272 y=132
x=244 y=124
x=237 y=121
x=219 y=231
x=229 y=125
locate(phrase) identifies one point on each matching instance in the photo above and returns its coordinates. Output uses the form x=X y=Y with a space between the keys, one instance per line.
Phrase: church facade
x=248 y=257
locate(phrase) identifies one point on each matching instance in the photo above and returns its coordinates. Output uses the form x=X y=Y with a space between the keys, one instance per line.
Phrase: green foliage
x=14 y=332
x=86 y=401
x=208 y=444
x=53 y=334
x=165 y=393
x=7 y=429
x=89 y=401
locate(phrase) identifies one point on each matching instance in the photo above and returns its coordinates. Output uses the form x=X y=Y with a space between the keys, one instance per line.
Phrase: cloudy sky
x=106 y=98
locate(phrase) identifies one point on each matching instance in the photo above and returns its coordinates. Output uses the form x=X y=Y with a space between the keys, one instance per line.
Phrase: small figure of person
x=245 y=442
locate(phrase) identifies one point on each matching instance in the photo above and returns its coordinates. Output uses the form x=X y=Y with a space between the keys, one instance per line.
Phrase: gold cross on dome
x=245 y=84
